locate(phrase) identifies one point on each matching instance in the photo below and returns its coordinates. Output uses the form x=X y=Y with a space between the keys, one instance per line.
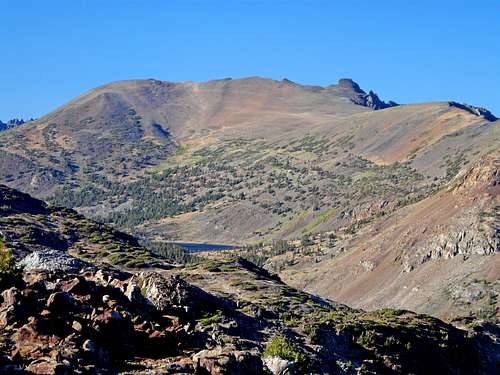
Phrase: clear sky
x=407 y=51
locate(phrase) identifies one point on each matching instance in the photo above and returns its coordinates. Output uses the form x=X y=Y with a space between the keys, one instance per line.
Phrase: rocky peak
x=360 y=97
x=477 y=111
x=289 y=82
x=373 y=101
x=12 y=123
x=348 y=83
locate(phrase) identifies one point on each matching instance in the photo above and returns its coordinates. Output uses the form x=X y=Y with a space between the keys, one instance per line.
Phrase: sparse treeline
x=280 y=184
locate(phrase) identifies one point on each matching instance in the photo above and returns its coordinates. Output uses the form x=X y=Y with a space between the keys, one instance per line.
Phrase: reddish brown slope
x=440 y=256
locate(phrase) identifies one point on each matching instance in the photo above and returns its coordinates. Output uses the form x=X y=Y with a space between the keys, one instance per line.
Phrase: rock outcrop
x=167 y=292
x=417 y=256
x=360 y=97
x=474 y=230
x=478 y=111
x=64 y=323
x=12 y=123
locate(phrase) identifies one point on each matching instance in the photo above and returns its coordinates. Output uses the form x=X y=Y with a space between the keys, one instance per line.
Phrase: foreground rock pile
x=89 y=319
x=57 y=323
x=95 y=322
x=61 y=315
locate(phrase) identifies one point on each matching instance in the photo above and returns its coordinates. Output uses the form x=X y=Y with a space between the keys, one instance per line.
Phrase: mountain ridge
x=128 y=131
x=256 y=161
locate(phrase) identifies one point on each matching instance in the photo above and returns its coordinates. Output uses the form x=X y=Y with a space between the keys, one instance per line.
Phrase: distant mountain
x=253 y=160
x=12 y=123
x=261 y=156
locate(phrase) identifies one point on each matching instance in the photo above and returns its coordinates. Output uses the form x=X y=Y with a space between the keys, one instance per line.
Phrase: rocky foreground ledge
x=69 y=317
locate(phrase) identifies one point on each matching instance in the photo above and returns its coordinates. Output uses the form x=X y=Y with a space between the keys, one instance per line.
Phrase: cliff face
x=475 y=228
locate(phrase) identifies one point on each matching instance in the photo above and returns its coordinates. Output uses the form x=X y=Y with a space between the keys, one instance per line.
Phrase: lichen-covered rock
x=53 y=260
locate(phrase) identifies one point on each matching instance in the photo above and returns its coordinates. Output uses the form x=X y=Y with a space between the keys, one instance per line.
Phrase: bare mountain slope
x=241 y=160
x=440 y=255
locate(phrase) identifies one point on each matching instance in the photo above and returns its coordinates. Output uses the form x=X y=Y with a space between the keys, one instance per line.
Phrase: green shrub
x=208 y=319
x=6 y=258
x=367 y=339
x=279 y=346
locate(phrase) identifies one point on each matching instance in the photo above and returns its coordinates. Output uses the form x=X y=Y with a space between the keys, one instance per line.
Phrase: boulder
x=222 y=361
x=60 y=302
x=29 y=343
x=76 y=285
x=95 y=353
x=53 y=260
x=171 y=292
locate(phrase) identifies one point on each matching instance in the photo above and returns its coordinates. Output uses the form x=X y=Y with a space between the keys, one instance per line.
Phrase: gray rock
x=279 y=366
x=133 y=293
x=477 y=111
x=165 y=292
x=53 y=260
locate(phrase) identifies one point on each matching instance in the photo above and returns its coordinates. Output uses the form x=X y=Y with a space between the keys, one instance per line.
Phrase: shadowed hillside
x=61 y=314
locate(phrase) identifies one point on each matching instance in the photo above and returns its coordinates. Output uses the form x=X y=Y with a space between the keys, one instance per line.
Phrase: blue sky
x=408 y=51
